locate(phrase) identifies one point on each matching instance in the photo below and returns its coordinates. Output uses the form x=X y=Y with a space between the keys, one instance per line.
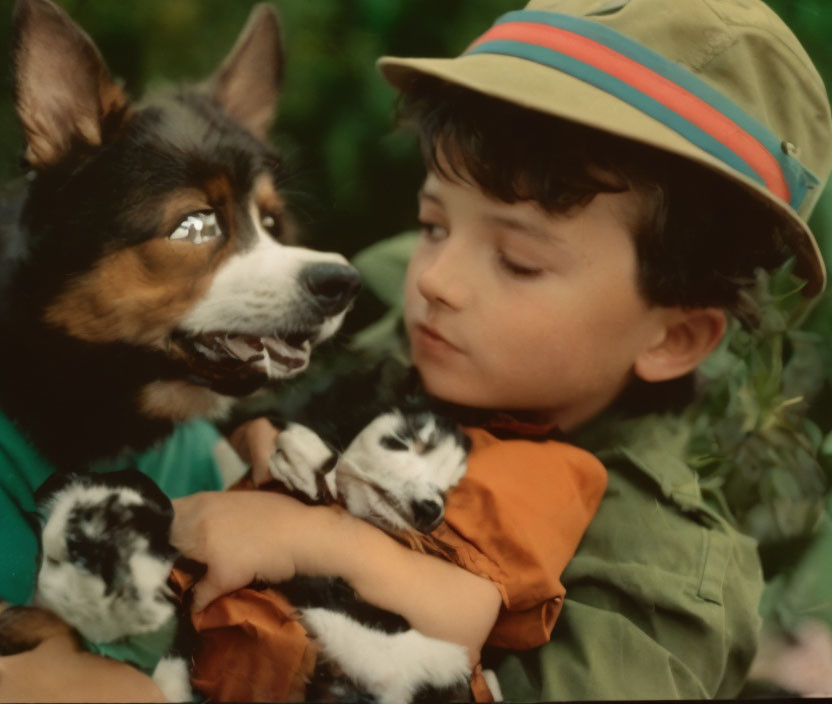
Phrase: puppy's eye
x=391 y=442
x=198 y=228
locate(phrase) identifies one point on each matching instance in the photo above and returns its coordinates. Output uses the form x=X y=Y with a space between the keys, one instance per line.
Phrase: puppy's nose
x=332 y=286
x=427 y=514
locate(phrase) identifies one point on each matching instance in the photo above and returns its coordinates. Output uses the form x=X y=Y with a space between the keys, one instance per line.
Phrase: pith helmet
x=722 y=82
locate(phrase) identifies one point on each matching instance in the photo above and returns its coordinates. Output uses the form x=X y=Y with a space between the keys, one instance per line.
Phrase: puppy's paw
x=304 y=463
x=172 y=677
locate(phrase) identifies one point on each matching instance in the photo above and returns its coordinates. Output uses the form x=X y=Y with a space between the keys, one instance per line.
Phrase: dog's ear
x=247 y=83
x=63 y=91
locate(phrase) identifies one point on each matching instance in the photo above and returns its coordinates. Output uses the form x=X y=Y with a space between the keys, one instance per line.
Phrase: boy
x=603 y=180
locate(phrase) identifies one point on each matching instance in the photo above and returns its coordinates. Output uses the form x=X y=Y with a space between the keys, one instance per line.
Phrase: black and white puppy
x=105 y=563
x=390 y=456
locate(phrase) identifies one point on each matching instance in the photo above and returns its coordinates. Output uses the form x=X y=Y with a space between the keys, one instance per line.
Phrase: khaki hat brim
x=518 y=81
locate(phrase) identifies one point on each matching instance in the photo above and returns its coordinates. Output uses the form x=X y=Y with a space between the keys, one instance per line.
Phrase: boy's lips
x=427 y=337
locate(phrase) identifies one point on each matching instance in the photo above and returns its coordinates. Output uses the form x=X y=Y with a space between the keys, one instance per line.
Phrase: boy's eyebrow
x=427 y=195
x=517 y=224
x=521 y=226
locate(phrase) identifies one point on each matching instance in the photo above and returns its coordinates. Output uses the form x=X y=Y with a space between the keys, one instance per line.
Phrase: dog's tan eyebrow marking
x=266 y=196
x=137 y=294
x=220 y=196
x=269 y=201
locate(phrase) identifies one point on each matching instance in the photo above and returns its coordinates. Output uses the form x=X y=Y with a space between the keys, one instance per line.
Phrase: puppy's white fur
x=79 y=596
x=172 y=677
x=393 y=667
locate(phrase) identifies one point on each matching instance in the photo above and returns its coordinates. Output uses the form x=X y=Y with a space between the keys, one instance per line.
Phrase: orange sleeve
x=516 y=518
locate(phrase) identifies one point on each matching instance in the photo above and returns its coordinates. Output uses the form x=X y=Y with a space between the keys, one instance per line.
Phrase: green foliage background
x=762 y=435
x=355 y=178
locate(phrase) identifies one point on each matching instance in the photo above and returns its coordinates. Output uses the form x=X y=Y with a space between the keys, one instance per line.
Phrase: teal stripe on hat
x=798 y=178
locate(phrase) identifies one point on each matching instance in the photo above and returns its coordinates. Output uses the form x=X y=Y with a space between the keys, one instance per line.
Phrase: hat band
x=660 y=88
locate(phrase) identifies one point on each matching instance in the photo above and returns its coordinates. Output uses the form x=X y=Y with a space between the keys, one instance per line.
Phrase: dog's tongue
x=272 y=356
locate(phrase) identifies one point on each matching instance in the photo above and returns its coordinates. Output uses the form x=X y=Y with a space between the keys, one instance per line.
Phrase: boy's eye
x=518 y=269
x=432 y=231
x=198 y=228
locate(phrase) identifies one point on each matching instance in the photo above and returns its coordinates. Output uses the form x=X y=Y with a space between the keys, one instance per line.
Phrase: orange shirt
x=515 y=518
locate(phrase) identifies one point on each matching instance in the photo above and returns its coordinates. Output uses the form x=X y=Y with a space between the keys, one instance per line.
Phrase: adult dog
x=144 y=276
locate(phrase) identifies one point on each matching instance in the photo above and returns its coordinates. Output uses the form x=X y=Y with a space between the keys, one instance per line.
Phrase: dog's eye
x=198 y=228
x=272 y=224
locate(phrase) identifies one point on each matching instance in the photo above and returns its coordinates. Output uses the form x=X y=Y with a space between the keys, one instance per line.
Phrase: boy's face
x=510 y=307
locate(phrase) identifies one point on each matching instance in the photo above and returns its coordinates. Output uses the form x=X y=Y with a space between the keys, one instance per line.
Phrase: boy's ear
x=63 y=92
x=688 y=337
x=248 y=81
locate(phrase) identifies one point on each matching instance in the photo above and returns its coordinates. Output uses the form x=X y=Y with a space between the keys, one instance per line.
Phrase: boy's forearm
x=437 y=598
x=56 y=671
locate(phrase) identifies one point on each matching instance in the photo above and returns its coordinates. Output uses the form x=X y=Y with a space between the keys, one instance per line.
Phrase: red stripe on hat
x=654 y=85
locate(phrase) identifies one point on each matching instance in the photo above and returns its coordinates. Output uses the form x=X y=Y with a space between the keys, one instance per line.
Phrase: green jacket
x=662 y=596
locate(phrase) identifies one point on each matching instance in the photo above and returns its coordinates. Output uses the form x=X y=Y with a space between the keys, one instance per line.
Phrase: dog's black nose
x=333 y=286
x=427 y=514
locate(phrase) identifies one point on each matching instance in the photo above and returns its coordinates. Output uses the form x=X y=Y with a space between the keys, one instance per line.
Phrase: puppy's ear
x=247 y=83
x=63 y=91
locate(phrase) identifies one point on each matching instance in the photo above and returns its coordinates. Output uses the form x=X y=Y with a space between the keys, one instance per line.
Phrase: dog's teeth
x=211 y=354
x=180 y=233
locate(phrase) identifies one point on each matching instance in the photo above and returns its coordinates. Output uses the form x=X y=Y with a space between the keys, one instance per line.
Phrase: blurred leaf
x=754 y=439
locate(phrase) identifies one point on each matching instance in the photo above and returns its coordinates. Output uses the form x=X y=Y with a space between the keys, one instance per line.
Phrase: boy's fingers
x=204 y=593
x=262 y=444
x=238 y=440
x=255 y=442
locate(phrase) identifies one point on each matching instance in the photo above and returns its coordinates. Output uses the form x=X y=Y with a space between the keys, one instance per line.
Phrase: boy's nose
x=440 y=280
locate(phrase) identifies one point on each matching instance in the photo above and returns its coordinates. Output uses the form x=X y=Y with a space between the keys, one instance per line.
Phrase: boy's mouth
x=427 y=335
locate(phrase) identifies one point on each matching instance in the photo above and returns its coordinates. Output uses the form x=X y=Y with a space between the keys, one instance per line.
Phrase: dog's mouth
x=238 y=364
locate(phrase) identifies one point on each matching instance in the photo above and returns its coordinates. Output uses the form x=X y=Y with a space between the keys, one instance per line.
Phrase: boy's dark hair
x=700 y=237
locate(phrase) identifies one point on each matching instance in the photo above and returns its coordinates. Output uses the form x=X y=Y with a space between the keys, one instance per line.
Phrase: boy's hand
x=240 y=535
x=255 y=441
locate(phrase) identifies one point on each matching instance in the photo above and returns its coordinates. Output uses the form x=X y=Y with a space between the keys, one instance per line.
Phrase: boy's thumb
x=204 y=593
